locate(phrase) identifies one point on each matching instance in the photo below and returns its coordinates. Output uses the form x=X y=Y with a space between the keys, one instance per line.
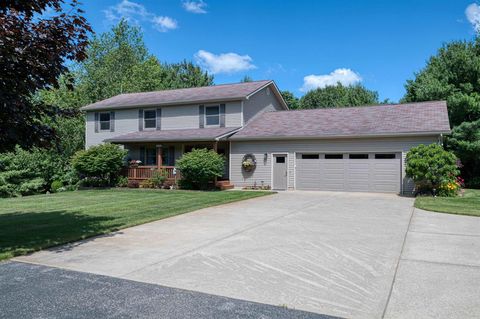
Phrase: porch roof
x=183 y=135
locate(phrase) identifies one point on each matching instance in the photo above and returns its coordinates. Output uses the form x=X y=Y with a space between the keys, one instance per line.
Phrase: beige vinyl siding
x=126 y=121
x=259 y=103
x=233 y=114
x=263 y=170
x=180 y=117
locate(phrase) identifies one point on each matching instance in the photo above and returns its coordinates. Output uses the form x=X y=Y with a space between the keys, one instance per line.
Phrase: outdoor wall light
x=265 y=156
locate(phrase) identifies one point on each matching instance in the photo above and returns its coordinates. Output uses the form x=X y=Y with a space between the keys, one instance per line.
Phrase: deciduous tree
x=338 y=96
x=33 y=52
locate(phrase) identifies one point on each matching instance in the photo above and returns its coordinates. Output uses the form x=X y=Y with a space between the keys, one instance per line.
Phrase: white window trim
x=155 y=118
x=100 y=122
x=205 y=116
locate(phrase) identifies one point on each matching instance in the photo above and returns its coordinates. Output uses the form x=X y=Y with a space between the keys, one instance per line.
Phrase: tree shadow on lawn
x=25 y=232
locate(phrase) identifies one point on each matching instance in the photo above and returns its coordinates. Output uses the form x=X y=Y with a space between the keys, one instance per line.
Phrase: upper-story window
x=212 y=115
x=150 y=119
x=104 y=121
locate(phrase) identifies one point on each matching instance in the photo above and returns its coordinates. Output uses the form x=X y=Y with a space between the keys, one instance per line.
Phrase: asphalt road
x=34 y=291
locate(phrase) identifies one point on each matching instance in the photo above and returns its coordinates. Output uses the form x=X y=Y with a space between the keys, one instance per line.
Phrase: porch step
x=224 y=185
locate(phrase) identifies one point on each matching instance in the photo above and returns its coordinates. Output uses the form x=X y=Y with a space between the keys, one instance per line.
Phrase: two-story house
x=158 y=127
x=343 y=149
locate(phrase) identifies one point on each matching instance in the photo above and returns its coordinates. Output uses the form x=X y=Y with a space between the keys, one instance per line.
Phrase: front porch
x=154 y=157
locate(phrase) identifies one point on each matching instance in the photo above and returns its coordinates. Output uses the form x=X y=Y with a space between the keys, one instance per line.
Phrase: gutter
x=227 y=134
x=300 y=137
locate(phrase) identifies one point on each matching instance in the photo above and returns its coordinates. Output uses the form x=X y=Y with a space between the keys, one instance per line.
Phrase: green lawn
x=35 y=222
x=469 y=204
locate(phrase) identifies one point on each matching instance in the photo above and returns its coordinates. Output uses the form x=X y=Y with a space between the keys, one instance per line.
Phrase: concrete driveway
x=328 y=253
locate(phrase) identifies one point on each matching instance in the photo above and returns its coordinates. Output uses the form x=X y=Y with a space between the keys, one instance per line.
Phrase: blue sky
x=299 y=44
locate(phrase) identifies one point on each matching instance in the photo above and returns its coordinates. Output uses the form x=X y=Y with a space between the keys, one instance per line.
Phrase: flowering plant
x=451 y=187
x=134 y=162
x=249 y=162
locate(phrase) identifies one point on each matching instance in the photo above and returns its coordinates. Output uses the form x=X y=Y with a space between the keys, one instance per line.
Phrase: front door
x=280 y=171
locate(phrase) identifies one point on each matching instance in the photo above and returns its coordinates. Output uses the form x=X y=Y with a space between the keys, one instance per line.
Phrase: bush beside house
x=32 y=172
x=199 y=168
x=99 y=165
x=433 y=170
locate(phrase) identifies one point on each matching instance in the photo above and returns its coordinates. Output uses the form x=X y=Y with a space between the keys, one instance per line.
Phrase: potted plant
x=134 y=163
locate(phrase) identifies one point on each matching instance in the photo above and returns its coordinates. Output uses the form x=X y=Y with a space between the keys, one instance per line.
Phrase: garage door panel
x=308 y=173
x=347 y=174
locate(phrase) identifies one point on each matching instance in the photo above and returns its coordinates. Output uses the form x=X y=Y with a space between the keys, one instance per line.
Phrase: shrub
x=199 y=167
x=26 y=172
x=147 y=184
x=101 y=162
x=430 y=166
x=133 y=184
x=122 y=181
x=56 y=185
x=158 y=179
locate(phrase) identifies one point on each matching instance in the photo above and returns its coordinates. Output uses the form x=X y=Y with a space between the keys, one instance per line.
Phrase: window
x=310 y=156
x=105 y=121
x=358 y=156
x=333 y=156
x=280 y=159
x=384 y=156
x=150 y=118
x=212 y=115
x=150 y=156
x=168 y=156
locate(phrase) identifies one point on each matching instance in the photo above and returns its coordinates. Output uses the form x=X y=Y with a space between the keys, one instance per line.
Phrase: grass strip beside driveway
x=469 y=204
x=32 y=223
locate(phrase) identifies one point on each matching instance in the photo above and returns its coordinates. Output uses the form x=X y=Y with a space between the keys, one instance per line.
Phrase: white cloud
x=164 y=24
x=344 y=76
x=195 y=6
x=136 y=13
x=224 y=62
x=473 y=15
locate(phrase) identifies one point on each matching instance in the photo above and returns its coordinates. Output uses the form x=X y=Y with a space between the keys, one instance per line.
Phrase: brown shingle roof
x=184 y=135
x=411 y=118
x=215 y=93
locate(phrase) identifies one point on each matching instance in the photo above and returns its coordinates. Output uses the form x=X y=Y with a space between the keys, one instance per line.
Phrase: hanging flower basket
x=249 y=163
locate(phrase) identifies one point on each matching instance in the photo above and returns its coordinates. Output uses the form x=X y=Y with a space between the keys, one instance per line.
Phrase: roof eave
x=143 y=140
x=286 y=137
x=91 y=107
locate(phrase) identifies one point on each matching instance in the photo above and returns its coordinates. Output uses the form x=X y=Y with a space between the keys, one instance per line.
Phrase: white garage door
x=350 y=172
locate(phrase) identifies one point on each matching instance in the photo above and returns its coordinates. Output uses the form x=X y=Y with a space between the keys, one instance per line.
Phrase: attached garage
x=356 y=149
x=350 y=172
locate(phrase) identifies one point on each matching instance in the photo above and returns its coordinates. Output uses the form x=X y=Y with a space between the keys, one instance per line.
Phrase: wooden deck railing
x=146 y=172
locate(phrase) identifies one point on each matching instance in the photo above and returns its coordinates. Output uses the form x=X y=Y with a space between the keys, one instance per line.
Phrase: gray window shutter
x=159 y=119
x=222 y=115
x=201 y=112
x=96 y=122
x=112 y=121
x=140 y=119
x=142 y=155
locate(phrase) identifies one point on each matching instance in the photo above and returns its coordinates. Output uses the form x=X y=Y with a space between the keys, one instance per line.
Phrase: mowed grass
x=469 y=204
x=32 y=223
